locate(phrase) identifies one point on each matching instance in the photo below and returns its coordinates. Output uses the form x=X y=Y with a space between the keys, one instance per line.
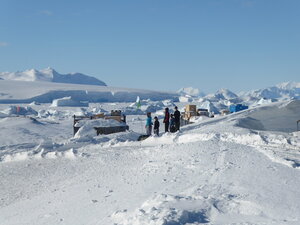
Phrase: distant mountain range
x=286 y=90
x=280 y=91
x=42 y=92
x=50 y=75
x=224 y=97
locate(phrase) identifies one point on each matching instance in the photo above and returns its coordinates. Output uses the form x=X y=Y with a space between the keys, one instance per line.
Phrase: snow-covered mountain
x=286 y=90
x=224 y=97
x=194 y=92
x=50 y=75
x=222 y=94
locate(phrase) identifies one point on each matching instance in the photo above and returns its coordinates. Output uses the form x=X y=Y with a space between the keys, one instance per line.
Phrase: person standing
x=156 y=126
x=149 y=124
x=167 y=119
x=177 y=118
x=172 y=124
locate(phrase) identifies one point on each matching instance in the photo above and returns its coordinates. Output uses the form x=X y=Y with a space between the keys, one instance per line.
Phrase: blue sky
x=156 y=44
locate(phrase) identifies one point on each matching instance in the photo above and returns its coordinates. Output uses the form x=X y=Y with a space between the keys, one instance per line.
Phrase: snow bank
x=99 y=123
x=275 y=117
x=166 y=209
x=87 y=131
x=68 y=101
x=42 y=154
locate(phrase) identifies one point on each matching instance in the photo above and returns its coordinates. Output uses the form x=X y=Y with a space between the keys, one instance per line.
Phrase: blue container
x=237 y=108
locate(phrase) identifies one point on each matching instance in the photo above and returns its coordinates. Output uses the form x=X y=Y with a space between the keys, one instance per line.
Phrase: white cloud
x=3 y=44
x=46 y=12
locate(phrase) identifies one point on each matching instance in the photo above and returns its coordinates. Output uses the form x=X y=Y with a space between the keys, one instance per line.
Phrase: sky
x=156 y=44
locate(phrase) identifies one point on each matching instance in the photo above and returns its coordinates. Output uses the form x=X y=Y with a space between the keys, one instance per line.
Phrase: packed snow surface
x=239 y=169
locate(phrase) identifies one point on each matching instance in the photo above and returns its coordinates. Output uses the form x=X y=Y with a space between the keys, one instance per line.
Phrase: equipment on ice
x=115 y=115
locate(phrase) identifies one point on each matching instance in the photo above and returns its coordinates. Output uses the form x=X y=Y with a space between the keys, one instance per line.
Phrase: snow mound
x=99 y=123
x=87 y=131
x=167 y=209
x=277 y=117
x=193 y=209
x=43 y=154
x=19 y=110
x=50 y=75
x=68 y=101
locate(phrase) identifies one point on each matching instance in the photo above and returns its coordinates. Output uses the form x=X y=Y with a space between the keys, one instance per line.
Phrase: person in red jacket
x=167 y=119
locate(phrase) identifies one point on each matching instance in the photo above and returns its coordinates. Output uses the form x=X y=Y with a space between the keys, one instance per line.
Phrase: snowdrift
x=274 y=117
x=87 y=132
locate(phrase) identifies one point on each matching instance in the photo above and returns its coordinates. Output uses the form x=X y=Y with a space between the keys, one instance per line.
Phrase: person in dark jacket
x=167 y=119
x=172 y=124
x=177 y=118
x=156 y=126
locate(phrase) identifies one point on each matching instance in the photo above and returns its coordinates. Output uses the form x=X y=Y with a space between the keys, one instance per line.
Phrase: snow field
x=216 y=171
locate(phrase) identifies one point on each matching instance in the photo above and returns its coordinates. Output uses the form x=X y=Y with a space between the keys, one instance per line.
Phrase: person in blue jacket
x=149 y=124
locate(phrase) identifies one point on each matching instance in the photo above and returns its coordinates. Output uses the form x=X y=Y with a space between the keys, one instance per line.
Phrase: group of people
x=171 y=121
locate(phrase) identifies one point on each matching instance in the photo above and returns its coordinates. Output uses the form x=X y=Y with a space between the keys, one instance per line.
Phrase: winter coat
x=172 y=122
x=156 y=124
x=167 y=117
x=177 y=116
x=149 y=122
